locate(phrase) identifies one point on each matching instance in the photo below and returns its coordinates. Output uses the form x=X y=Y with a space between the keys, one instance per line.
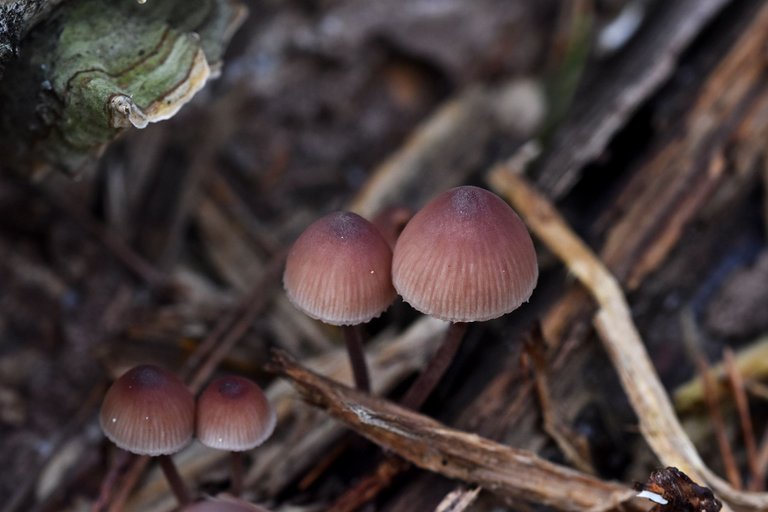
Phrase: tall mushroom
x=149 y=411
x=465 y=257
x=234 y=414
x=338 y=272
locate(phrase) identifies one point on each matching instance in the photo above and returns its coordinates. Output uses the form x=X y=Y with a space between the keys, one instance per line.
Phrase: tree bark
x=16 y=18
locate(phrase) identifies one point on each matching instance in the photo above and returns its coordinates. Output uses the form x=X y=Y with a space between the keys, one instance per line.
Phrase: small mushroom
x=465 y=257
x=149 y=411
x=338 y=272
x=234 y=414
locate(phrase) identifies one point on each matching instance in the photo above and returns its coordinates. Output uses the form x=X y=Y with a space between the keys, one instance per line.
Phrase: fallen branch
x=428 y=444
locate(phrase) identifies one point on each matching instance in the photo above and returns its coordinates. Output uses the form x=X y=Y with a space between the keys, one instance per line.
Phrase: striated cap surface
x=465 y=257
x=148 y=411
x=338 y=270
x=234 y=414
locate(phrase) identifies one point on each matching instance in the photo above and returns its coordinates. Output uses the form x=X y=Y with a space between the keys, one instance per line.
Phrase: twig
x=574 y=447
x=367 y=488
x=458 y=500
x=329 y=458
x=495 y=403
x=225 y=324
x=131 y=478
x=426 y=443
x=657 y=420
x=371 y=485
x=748 y=432
x=256 y=301
x=762 y=461
x=391 y=359
x=105 y=491
x=755 y=388
x=691 y=338
x=752 y=365
x=716 y=419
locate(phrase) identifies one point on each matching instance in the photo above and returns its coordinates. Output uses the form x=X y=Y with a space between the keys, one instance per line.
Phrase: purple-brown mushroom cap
x=234 y=414
x=338 y=270
x=465 y=257
x=148 y=411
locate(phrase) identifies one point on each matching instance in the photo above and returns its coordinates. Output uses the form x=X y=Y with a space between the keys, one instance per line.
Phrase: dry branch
x=512 y=473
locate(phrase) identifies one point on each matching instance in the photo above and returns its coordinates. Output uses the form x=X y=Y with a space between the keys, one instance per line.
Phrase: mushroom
x=465 y=257
x=234 y=414
x=149 y=411
x=338 y=272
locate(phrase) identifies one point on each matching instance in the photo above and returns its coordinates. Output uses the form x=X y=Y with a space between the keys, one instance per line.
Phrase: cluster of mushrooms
x=150 y=411
x=465 y=257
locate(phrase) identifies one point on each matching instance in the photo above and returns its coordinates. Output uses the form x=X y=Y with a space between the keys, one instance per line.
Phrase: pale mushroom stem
x=353 y=335
x=236 y=460
x=174 y=479
x=423 y=386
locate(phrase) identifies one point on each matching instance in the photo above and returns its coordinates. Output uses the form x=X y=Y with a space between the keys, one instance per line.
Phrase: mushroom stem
x=174 y=479
x=423 y=386
x=353 y=335
x=236 y=460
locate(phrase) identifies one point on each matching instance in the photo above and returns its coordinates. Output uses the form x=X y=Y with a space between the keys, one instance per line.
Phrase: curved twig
x=657 y=419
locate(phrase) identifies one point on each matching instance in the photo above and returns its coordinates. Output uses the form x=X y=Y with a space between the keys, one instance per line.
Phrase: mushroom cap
x=148 y=411
x=338 y=270
x=234 y=414
x=465 y=257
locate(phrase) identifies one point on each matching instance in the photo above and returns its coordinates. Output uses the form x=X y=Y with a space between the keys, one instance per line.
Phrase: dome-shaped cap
x=234 y=414
x=465 y=257
x=338 y=270
x=148 y=411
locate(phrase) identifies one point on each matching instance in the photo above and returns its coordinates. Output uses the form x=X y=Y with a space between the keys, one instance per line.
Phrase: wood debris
x=468 y=457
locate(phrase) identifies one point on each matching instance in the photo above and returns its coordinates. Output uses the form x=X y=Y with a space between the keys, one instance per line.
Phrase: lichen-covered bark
x=94 y=68
x=16 y=18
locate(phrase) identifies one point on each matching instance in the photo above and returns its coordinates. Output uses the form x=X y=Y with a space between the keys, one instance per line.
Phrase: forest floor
x=635 y=154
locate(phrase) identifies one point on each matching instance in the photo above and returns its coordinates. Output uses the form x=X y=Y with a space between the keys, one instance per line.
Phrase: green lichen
x=97 y=67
